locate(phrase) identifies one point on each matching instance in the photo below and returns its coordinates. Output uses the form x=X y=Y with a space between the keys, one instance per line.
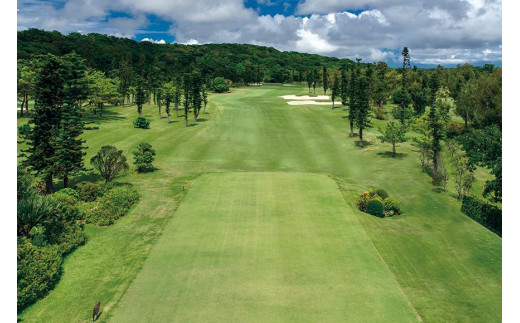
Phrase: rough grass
x=448 y=266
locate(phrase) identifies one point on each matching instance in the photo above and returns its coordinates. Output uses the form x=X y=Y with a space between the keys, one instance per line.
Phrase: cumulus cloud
x=437 y=32
x=151 y=40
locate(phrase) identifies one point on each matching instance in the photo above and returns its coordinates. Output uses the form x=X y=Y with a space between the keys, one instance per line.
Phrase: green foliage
x=38 y=269
x=88 y=191
x=391 y=207
x=375 y=207
x=380 y=114
x=143 y=157
x=63 y=228
x=220 y=85
x=394 y=132
x=68 y=192
x=109 y=162
x=142 y=122
x=111 y=206
x=484 y=148
x=403 y=111
x=483 y=212
x=24 y=131
x=382 y=193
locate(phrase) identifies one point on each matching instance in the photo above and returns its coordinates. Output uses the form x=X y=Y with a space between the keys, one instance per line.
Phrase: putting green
x=264 y=247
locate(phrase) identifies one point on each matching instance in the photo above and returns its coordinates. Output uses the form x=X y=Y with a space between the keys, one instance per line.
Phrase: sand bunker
x=308 y=102
x=305 y=97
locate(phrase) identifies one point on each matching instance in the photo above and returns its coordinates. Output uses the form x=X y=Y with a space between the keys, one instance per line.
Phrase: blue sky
x=446 y=32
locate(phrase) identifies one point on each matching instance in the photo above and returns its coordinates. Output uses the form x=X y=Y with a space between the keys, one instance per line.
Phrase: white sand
x=308 y=102
x=305 y=97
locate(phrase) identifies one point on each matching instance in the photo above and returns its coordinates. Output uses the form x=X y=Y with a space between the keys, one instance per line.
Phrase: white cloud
x=435 y=31
x=151 y=40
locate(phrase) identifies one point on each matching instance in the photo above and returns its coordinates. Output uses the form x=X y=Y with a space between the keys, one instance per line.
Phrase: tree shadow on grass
x=438 y=190
x=389 y=154
x=108 y=115
x=202 y=120
x=362 y=144
x=193 y=124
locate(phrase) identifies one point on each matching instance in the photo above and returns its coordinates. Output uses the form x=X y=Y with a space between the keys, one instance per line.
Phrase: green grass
x=269 y=247
x=447 y=265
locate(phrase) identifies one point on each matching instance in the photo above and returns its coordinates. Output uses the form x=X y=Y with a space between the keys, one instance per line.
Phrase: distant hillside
x=232 y=61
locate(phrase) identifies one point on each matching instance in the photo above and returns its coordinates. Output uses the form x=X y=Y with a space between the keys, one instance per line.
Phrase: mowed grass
x=448 y=266
x=267 y=247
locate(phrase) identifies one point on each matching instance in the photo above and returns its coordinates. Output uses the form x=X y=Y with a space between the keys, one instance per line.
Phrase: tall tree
x=467 y=101
x=406 y=65
x=325 y=80
x=437 y=119
x=381 y=86
x=314 y=80
x=45 y=121
x=344 y=89
x=187 y=96
x=335 y=89
x=102 y=90
x=168 y=91
x=195 y=95
x=309 y=80
x=140 y=98
x=204 y=93
x=353 y=97
x=25 y=84
x=69 y=154
x=362 y=106
x=177 y=95
x=125 y=76
x=461 y=169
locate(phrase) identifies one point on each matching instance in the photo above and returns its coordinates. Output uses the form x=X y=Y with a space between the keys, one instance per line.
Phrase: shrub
x=111 y=206
x=38 y=270
x=382 y=193
x=69 y=192
x=24 y=131
x=144 y=157
x=375 y=207
x=380 y=114
x=88 y=191
x=220 y=85
x=63 y=228
x=109 y=162
x=391 y=207
x=484 y=213
x=142 y=123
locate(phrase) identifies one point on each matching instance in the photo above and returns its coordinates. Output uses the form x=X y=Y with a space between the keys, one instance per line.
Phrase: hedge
x=484 y=213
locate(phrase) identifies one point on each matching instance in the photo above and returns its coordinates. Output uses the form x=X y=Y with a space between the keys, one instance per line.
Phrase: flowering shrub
x=389 y=206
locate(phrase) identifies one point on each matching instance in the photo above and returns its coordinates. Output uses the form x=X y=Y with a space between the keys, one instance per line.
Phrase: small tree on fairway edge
x=109 y=162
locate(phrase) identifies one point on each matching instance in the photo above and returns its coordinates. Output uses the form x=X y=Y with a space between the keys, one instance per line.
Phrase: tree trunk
x=186 y=120
x=393 y=148
x=21 y=109
x=466 y=121
x=168 y=118
x=351 y=129
x=177 y=111
x=204 y=111
x=48 y=184
x=100 y=109
x=435 y=164
x=332 y=104
x=65 y=181
x=360 y=137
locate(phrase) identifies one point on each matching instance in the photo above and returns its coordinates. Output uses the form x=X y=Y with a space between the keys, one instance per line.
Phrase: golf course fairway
x=268 y=247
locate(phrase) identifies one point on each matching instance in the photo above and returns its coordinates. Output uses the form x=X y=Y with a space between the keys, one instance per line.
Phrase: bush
x=69 y=192
x=220 y=85
x=375 y=207
x=111 y=206
x=88 y=191
x=63 y=228
x=142 y=123
x=144 y=157
x=380 y=114
x=484 y=213
x=391 y=207
x=24 y=131
x=382 y=193
x=38 y=270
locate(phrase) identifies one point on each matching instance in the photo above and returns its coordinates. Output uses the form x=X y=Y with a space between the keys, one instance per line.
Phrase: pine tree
x=140 y=98
x=48 y=101
x=344 y=89
x=187 y=96
x=195 y=94
x=177 y=96
x=335 y=89
x=362 y=115
x=325 y=80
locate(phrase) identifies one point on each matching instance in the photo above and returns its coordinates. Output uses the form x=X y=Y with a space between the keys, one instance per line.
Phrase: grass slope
x=448 y=265
x=270 y=247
